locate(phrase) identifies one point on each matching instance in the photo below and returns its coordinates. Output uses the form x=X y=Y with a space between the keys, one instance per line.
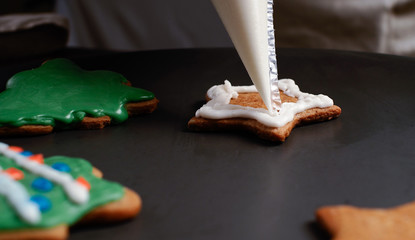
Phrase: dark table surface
x=233 y=185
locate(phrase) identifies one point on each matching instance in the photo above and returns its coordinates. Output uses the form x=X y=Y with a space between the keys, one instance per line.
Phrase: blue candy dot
x=43 y=202
x=26 y=153
x=62 y=167
x=42 y=184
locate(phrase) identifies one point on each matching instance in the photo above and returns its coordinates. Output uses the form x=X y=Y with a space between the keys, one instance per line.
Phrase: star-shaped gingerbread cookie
x=61 y=95
x=241 y=108
x=352 y=223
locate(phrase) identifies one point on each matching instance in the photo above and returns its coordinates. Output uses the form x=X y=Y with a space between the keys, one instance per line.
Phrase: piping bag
x=250 y=26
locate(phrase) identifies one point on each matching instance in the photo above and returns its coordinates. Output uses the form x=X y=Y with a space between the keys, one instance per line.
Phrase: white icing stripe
x=219 y=107
x=74 y=190
x=17 y=195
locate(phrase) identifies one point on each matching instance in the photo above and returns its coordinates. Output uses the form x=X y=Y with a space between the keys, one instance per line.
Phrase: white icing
x=219 y=108
x=74 y=190
x=17 y=195
x=246 y=22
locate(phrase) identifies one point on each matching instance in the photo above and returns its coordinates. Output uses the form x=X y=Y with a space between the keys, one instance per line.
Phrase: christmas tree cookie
x=40 y=198
x=61 y=95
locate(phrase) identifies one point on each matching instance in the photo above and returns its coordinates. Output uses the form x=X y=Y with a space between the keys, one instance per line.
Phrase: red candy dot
x=37 y=158
x=16 y=149
x=15 y=173
x=84 y=182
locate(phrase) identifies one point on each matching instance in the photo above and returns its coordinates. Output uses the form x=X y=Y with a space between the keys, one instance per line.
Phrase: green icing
x=60 y=93
x=63 y=211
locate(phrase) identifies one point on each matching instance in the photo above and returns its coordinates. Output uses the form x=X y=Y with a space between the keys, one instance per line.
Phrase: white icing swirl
x=18 y=197
x=219 y=108
x=74 y=190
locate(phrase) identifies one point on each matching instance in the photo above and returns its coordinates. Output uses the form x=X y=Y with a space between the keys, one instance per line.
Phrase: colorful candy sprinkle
x=37 y=158
x=84 y=182
x=14 y=173
x=62 y=167
x=43 y=202
x=42 y=184
x=26 y=153
x=16 y=149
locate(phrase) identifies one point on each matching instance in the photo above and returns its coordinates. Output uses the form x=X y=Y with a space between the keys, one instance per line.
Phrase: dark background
x=26 y=6
x=234 y=185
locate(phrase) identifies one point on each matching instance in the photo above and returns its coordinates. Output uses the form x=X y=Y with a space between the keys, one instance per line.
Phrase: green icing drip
x=63 y=211
x=60 y=93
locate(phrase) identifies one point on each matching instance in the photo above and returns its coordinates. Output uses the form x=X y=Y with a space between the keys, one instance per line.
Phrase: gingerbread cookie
x=241 y=108
x=350 y=223
x=41 y=197
x=61 y=95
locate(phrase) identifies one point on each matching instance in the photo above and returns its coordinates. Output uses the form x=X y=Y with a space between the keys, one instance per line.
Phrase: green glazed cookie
x=61 y=95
